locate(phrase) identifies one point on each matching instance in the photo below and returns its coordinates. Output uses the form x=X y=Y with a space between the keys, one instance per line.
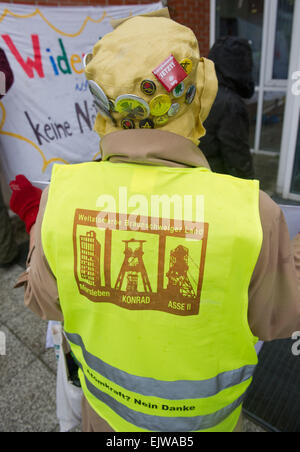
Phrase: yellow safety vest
x=153 y=266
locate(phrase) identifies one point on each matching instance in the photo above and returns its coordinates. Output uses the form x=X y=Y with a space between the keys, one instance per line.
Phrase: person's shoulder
x=270 y=212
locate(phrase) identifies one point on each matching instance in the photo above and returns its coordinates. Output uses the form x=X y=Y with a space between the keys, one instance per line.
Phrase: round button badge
x=190 y=94
x=100 y=109
x=160 y=105
x=133 y=107
x=111 y=105
x=87 y=58
x=174 y=109
x=148 y=87
x=187 y=65
x=99 y=94
x=146 y=124
x=179 y=90
x=161 y=120
x=127 y=124
x=103 y=111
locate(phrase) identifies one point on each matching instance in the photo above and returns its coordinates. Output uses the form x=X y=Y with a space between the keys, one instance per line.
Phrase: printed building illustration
x=90 y=251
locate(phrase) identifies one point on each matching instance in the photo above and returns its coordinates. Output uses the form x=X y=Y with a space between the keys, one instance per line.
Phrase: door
x=289 y=170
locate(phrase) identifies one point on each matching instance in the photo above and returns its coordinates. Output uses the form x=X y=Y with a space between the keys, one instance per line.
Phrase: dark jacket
x=226 y=144
x=6 y=69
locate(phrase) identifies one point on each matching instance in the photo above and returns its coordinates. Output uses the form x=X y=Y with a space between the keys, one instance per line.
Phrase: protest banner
x=48 y=115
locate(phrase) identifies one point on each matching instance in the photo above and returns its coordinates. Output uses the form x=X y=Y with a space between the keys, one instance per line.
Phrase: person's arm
x=6 y=69
x=274 y=292
x=41 y=294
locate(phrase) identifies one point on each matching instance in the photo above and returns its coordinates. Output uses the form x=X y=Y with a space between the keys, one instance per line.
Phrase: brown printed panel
x=139 y=263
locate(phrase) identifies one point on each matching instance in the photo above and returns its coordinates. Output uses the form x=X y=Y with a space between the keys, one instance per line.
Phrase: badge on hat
x=187 y=65
x=101 y=101
x=174 y=109
x=99 y=95
x=160 y=105
x=87 y=58
x=111 y=105
x=190 y=94
x=148 y=87
x=179 y=90
x=103 y=111
x=170 y=73
x=133 y=107
x=127 y=124
x=146 y=124
x=161 y=120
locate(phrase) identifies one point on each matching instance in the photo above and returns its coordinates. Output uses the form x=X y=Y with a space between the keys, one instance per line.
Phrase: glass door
x=243 y=18
x=295 y=183
x=289 y=169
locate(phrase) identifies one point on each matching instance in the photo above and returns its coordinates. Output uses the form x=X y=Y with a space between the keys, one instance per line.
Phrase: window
x=243 y=18
x=283 y=37
x=295 y=186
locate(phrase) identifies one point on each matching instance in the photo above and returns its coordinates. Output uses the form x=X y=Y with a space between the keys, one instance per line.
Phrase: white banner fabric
x=47 y=116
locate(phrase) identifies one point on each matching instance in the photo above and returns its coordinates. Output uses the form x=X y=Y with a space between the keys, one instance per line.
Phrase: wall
x=192 y=13
x=196 y=15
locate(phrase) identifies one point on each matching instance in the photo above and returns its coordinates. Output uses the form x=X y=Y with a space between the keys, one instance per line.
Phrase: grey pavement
x=28 y=370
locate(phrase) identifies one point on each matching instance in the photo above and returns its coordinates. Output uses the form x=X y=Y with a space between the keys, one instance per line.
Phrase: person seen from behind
x=161 y=309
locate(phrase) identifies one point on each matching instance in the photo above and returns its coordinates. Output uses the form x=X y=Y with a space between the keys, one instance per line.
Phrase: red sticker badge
x=170 y=73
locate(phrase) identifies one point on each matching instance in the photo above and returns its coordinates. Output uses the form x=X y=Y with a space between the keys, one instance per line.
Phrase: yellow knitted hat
x=131 y=96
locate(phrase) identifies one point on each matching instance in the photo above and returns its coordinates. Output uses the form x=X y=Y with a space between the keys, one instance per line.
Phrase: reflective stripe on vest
x=161 y=423
x=172 y=390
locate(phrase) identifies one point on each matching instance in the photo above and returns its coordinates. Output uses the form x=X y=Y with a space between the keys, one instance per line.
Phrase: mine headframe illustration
x=178 y=280
x=133 y=265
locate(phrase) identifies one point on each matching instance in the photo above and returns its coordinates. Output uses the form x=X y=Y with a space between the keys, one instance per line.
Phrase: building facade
x=90 y=252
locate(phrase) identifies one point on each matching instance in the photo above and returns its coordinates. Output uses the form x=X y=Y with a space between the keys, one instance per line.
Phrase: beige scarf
x=151 y=147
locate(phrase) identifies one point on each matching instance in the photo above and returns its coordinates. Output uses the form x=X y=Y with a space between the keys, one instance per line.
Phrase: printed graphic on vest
x=140 y=264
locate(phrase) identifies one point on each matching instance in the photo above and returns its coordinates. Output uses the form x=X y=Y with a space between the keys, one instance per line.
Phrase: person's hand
x=25 y=200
